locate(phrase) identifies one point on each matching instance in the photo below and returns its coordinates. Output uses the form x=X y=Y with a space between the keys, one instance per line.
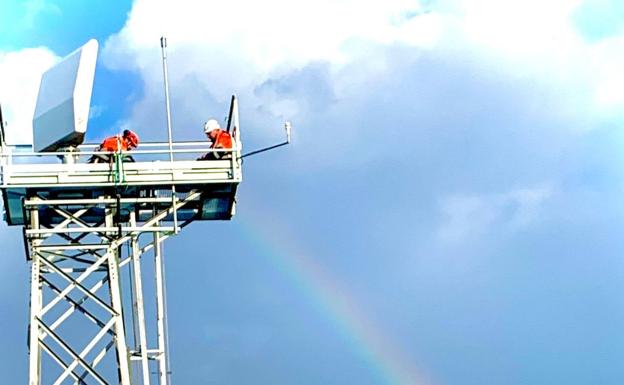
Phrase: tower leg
x=160 y=312
x=34 y=369
x=34 y=363
x=114 y=280
x=120 y=333
x=78 y=333
x=139 y=308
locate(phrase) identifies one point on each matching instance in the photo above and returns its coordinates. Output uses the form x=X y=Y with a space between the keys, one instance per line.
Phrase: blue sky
x=450 y=209
x=599 y=19
x=62 y=26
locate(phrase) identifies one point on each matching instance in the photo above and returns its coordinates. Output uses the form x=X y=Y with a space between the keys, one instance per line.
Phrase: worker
x=219 y=138
x=124 y=142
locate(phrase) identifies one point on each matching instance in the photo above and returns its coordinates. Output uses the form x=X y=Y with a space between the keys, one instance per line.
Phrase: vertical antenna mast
x=163 y=46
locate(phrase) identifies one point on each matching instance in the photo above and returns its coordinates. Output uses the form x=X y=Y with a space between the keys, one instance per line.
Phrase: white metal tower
x=91 y=232
x=87 y=231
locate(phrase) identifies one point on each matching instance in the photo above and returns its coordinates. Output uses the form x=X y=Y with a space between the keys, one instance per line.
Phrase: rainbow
x=387 y=361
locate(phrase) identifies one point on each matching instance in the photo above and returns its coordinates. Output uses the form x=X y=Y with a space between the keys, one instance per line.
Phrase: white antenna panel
x=62 y=109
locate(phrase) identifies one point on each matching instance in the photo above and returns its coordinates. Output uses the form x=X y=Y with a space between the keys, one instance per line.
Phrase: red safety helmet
x=131 y=137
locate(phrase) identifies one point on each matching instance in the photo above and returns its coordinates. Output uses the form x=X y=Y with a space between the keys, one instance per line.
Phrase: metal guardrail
x=154 y=148
x=76 y=161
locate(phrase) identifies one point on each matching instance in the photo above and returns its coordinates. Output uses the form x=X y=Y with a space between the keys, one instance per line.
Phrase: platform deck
x=136 y=183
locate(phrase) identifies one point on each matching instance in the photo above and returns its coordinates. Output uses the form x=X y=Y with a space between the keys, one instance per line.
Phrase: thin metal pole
x=163 y=356
x=229 y=121
x=263 y=150
x=35 y=307
x=287 y=127
x=138 y=291
x=163 y=46
x=114 y=284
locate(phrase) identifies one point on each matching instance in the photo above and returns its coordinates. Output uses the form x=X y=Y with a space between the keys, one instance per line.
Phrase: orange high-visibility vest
x=220 y=139
x=112 y=144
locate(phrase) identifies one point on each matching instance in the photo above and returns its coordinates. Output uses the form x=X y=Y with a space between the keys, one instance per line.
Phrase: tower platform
x=88 y=224
x=144 y=186
x=88 y=228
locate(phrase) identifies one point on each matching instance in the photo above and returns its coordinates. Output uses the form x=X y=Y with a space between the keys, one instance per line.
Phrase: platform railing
x=87 y=150
x=77 y=159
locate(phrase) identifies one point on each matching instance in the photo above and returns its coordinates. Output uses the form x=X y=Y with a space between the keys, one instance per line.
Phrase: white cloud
x=269 y=33
x=230 y=47
x=540 y=38
x=608 y=60
x=219 y=48
x=35 y=8
x=20 y=75
x=526 y=28
x=467 y=217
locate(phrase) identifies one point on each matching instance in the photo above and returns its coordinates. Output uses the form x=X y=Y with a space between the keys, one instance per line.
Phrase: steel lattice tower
x=90 y=230
x=94 y=231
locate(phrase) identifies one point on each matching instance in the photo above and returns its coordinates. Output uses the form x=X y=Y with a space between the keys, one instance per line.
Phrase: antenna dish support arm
x=287 y=127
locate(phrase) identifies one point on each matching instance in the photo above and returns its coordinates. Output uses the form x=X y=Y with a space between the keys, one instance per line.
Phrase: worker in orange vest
x=124 y=142
x=219 y=138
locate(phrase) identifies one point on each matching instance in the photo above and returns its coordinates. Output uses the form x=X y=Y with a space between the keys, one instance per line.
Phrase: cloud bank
x=456 y=164
x=440 y=144
x=20 y=74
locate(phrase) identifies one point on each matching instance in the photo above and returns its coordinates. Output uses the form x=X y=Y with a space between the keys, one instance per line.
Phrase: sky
x=450 y=209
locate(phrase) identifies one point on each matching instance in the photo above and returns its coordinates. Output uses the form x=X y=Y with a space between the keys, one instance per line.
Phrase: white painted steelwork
x=81 y=288
x=88 y=230
x=51 y=173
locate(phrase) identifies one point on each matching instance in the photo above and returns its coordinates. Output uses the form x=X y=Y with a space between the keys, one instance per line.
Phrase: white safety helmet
x=211 y=125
